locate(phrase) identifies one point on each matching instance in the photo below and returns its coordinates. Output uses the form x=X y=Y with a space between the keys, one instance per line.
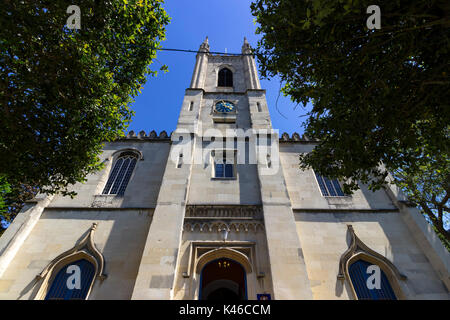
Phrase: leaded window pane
x=59 y=289
x=127 y=177
x=121 y=174
x=338 y=188
x=219 y=170
x=359 y=276
x=329 y=187
x=229 y=170
x=113 y=175
x=322 y=185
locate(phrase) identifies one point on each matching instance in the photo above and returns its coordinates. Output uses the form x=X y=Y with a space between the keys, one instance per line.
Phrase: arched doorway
x=223 y=280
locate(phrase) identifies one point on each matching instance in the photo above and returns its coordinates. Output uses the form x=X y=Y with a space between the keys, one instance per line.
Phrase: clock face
x=225 y=106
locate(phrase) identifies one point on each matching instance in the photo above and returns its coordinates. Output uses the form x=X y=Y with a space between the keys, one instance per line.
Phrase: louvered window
x=59 y=288
x=358 y=275
x=329 y=188
x=121 y=174
x=225 y=78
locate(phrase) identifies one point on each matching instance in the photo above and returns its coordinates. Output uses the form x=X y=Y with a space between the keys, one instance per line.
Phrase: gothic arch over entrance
x=223 y=279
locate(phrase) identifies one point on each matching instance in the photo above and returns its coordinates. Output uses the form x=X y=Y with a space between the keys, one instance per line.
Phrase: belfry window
x=225 y=78
x=329 y=188
x=121 y=174
x=368 y=289
x=72 y=282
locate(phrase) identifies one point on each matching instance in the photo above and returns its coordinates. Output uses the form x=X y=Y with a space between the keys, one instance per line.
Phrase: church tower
x=216 y=201
x=219 y=210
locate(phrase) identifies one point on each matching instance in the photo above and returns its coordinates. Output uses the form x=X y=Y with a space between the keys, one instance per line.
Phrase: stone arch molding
x=224 y=65
x=85 y=249
x=110 y=161
x=220 y=253
x=136 y=151
x=358 y=250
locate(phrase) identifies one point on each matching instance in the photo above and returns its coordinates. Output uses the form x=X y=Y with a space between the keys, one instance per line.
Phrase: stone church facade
x=220 y=210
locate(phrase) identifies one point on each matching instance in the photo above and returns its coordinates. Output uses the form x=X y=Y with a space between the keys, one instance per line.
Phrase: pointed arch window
x=225 y=78
x=121 y=173
x=71 y=275
x=59 y=290
x=354 y=267
x=359 y=273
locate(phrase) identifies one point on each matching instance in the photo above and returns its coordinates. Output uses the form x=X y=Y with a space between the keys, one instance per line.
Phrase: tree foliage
x=4 y=190
x=14 y=199
x=429 y=187
x=380 y=97
x=63 y=92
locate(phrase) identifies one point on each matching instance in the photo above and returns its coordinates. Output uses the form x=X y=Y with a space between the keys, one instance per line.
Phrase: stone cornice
x=223 y=211
x=344 y=210
x=61 y=208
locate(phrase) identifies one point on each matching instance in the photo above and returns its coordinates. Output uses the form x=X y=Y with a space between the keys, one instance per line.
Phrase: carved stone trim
x=217 y=226
x=224 y=212
x=223 y=252
x=136 y=151
x=107 y=201
x=201 y=252
x=357 y=247
x=87 y=246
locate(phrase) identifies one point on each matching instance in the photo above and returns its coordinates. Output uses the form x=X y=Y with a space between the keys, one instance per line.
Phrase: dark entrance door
x=223 y=280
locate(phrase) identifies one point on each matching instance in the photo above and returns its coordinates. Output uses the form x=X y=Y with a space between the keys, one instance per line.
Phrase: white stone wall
x=234 y=63
x=242 y=118
x=120 y=237
x=324 y=238
x=305 y=193
x=143 y=187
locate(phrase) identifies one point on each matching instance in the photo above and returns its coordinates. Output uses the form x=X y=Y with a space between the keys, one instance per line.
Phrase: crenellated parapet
x=142 y=135
x=296 y=138
x=164 y=136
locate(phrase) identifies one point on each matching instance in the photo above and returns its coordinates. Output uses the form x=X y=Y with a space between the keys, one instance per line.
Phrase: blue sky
x=226 y=23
